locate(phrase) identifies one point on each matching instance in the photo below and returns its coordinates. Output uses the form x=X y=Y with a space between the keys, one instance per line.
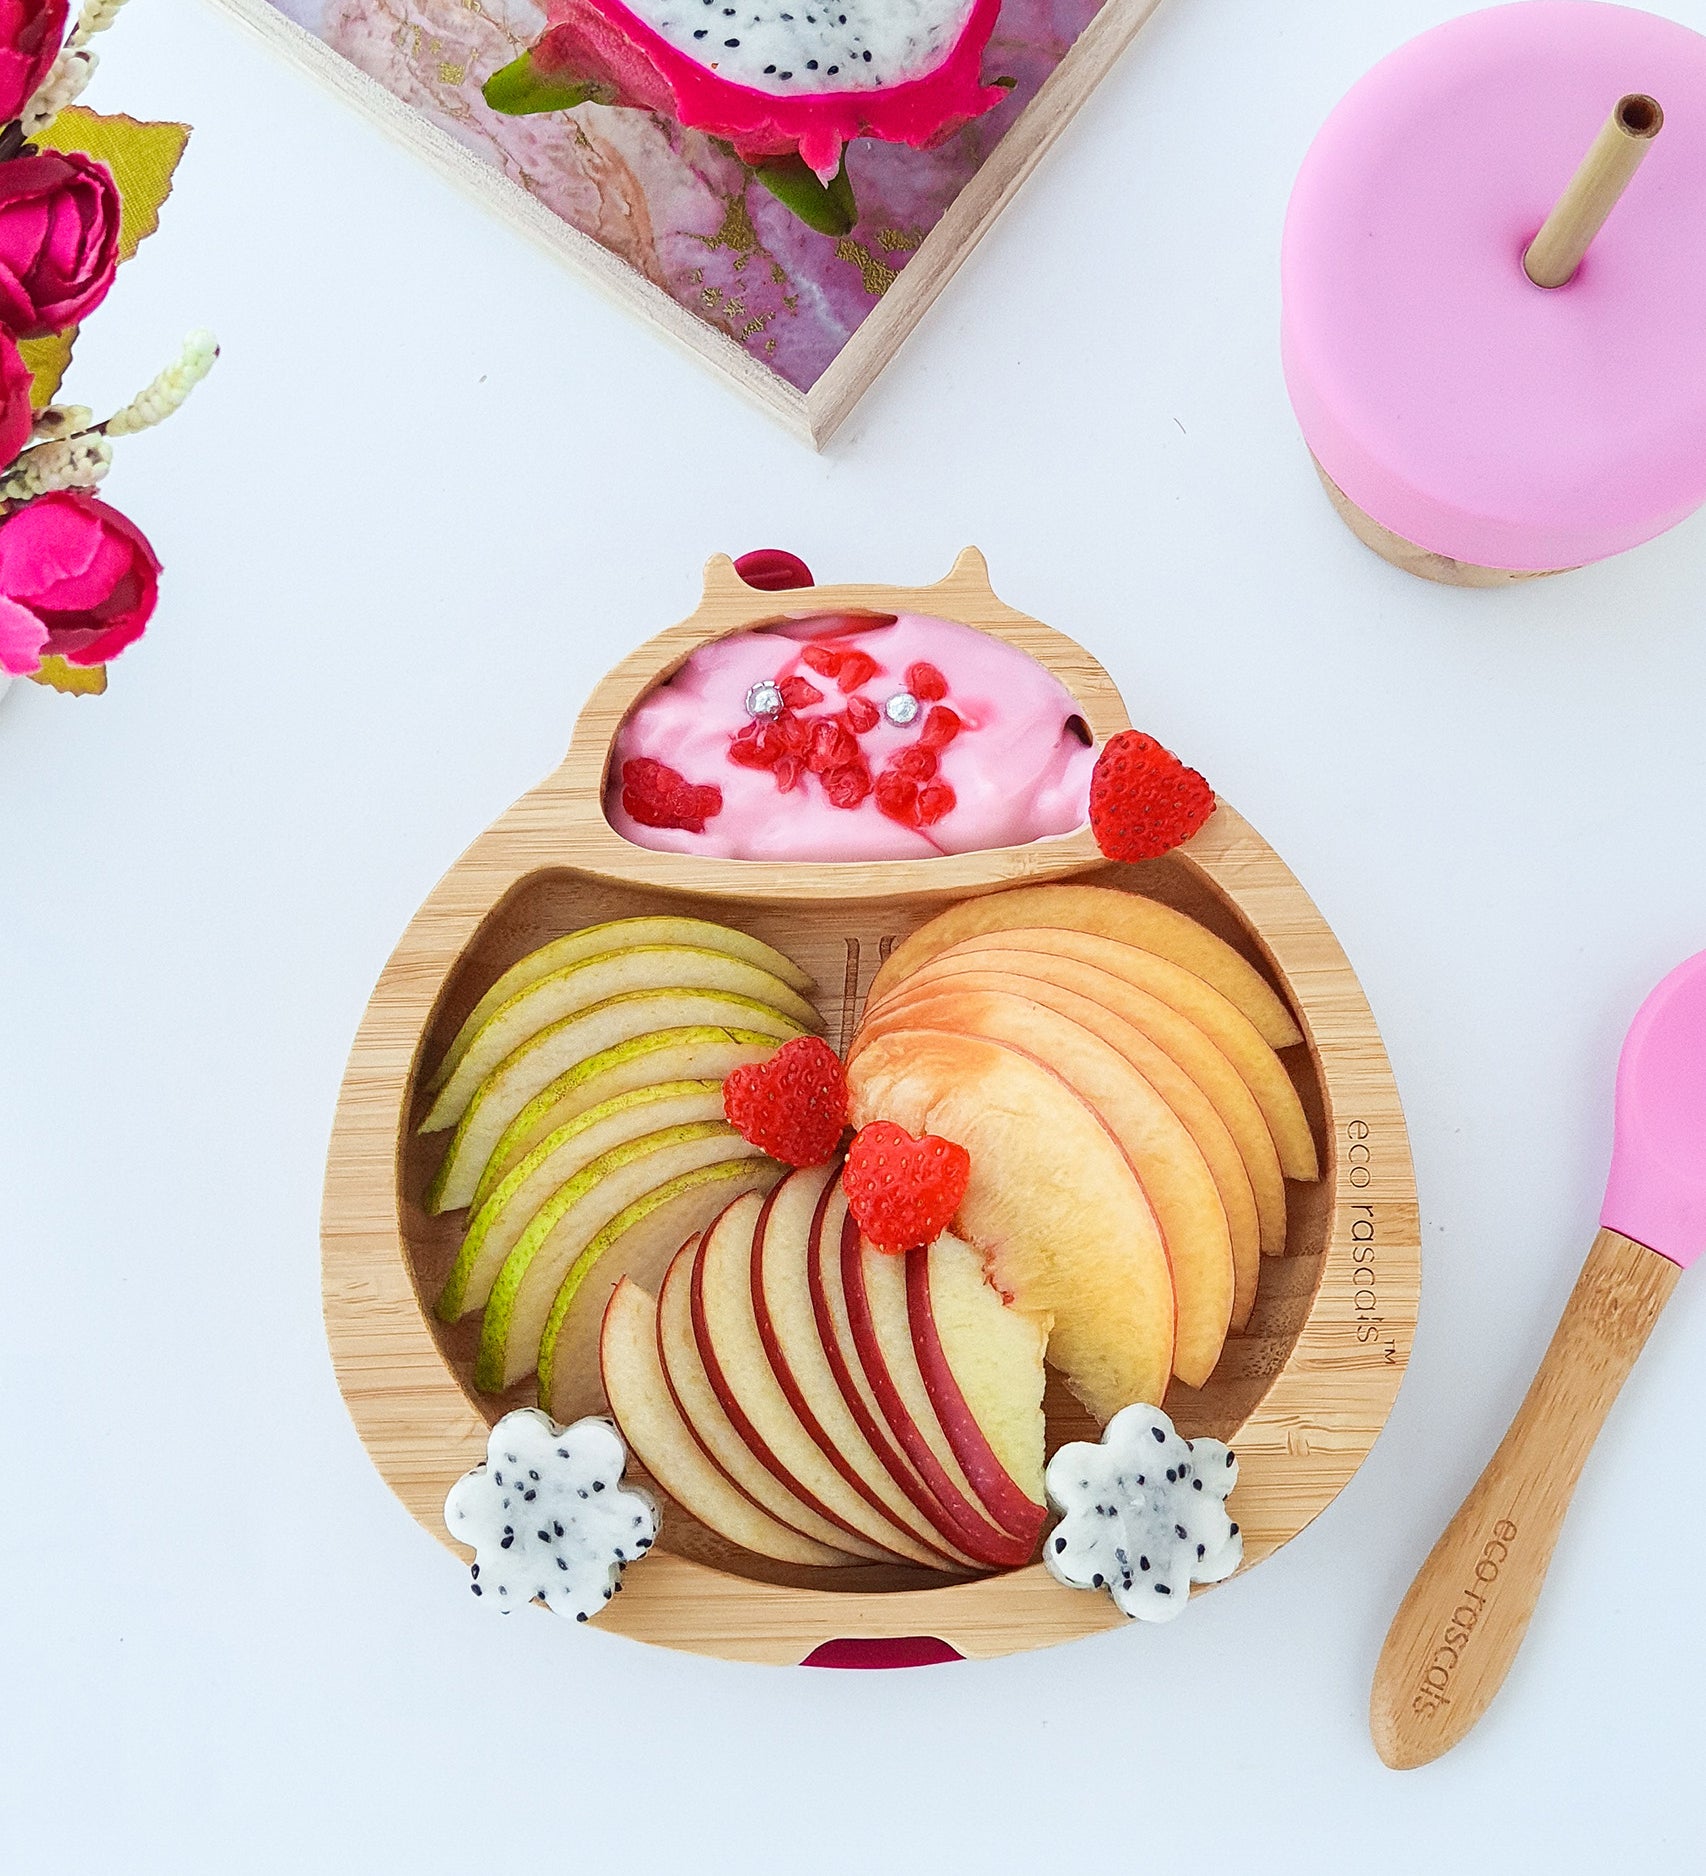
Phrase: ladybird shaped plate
x=946 y=979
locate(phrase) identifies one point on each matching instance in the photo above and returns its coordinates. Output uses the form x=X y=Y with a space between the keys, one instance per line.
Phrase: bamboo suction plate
x=1302 y=1393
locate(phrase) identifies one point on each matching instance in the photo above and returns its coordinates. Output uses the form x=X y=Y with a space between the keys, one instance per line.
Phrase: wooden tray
x=1302 y=1393
x=433 y=109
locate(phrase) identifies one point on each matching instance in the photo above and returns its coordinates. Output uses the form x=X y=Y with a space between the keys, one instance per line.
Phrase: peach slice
x=725 y=1327
x=1169 y=1165
x=874 y=1284
x=982 y=1363
x=664 y=1444
x=1126 y=916
x=787 y=1324
x=697 y=1403
x=1261 y=1069
x=925 y=1483
x=1212 y=1136
x=1175 y=1035
x=1052 y=1202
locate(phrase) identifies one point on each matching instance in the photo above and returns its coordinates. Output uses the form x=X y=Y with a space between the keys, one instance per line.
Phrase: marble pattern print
x=669 y=202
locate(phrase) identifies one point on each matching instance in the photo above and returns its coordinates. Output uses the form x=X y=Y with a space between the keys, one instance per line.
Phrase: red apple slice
x=1168 y=1163
x=874 y=1283
x=910 y=1463
x=697 y=1403
x=1051 y=1200
x=725 y=1328
x=663 y=1442
x=982 y=1364
x=781 y=1291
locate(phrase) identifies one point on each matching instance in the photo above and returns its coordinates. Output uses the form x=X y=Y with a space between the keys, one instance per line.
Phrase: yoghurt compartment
x=851 y=737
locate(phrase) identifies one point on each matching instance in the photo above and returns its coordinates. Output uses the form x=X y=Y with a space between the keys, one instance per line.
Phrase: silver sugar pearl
x=764 y=699
x=901 y=709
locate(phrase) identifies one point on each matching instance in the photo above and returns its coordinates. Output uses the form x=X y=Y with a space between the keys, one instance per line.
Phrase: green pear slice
x=592 y=980
x=703 y=1054
x=500 y=1221
x=614 y=935
x=562 y=1228
x=563 y=1046
x=638 y=1242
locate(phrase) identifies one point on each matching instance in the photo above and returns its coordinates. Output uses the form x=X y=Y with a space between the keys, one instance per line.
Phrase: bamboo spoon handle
x=1459 y=1626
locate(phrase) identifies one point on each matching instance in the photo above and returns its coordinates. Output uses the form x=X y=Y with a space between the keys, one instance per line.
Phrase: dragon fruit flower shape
x=1143 y=1514
x=547 y=1517
x=773 y=78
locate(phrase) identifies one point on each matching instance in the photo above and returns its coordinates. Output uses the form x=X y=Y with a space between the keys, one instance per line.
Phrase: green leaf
x=48 y=359
x=73 y=680
x=142 y=158
x=830 y=209
x=520 y=89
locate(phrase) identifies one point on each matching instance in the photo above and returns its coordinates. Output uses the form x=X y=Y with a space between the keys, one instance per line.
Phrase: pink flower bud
x=84 y=571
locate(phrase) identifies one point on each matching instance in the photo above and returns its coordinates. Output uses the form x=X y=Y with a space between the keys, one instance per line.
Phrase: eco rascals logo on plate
x=1365 y=1297
x=1433 y=1691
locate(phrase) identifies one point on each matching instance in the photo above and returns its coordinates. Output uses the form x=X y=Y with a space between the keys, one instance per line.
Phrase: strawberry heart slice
x=903 y=1192
x=794 y=1106
x=1144 y=802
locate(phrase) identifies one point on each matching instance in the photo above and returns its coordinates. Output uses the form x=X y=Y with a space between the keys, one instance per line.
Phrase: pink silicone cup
x=1657 y=1190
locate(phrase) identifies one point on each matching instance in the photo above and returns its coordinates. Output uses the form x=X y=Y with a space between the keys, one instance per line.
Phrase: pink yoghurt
x=1017 y=769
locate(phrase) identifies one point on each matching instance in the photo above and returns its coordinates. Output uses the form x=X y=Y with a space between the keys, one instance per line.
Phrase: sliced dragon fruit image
x=786 y=84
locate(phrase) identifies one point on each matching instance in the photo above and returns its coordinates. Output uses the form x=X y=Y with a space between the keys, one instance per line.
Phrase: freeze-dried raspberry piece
x=659 y=796
x=799 y=693
x=825 y=660
x=857 y=667
x=914 y=760
x=941 y=726
x=934 y=800
x=926 y=683
x=787 y=772
x=897 y=796
x=860 y=715
x=848 y=785
x=757 y=746
x=830 y=747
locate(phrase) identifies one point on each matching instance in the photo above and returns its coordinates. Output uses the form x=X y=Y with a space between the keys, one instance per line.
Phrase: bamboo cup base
x=1421 y=561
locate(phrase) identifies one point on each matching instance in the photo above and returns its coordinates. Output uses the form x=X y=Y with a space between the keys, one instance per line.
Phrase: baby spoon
x=1459 y=1627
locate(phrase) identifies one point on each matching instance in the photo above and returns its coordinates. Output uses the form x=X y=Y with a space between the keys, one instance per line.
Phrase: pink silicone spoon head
x=1657 y=1190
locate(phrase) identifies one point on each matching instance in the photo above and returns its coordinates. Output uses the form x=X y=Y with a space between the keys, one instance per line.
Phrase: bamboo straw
x=1610 y=164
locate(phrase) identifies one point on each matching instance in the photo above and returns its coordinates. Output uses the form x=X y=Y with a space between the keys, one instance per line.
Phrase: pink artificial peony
x=17 y=417
x=23 y=639
x=59 y=220
x=31 y=33
x=83 y=572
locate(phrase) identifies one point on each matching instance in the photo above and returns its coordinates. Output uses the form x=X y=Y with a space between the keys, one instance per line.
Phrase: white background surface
x=434 y=488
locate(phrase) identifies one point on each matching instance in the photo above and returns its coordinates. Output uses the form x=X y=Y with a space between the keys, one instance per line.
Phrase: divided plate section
x=842 y=945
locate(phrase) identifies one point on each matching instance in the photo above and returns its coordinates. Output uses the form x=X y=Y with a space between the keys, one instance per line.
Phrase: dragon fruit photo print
x=782 y=186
